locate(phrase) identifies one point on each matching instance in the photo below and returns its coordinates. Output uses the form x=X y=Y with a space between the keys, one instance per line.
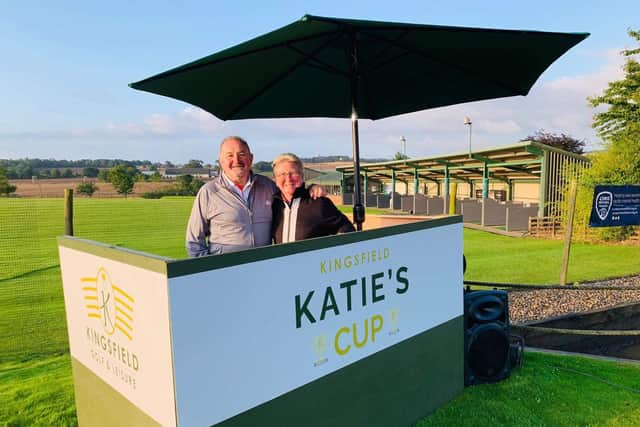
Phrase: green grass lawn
x=550 y=390
x=35 y=381
x=502 y=259
x=38 y=392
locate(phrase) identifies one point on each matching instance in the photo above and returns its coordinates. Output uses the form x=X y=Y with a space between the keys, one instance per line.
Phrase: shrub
x=5 y=187
x=87 y=188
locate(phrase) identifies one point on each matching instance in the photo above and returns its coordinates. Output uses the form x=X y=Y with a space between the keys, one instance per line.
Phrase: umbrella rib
x=370 y=106
x=197 y=64
x=321 y=65
x=447 y=64
x=277 y=79
x=387 y=46
x=365 y=80
x=367 y=95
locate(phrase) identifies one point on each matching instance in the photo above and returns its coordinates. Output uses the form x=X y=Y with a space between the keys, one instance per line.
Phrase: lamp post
x=467 y=121
x=404 y=146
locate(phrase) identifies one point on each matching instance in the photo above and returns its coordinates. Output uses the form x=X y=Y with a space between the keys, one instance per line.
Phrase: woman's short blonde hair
x=288 y=157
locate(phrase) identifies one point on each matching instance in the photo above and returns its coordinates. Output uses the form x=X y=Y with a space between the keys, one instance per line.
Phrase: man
x=296 y=216
x=232 y=212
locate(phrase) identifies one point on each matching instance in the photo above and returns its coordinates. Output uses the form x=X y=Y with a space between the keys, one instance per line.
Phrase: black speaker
x=487 y=344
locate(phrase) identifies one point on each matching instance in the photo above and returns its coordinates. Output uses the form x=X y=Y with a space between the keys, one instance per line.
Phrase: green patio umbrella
x=332 y=67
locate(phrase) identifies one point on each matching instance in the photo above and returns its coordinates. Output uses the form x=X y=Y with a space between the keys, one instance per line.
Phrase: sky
x=66 y=67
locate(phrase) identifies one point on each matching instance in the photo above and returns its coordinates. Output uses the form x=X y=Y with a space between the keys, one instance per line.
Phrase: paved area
x=495 y=230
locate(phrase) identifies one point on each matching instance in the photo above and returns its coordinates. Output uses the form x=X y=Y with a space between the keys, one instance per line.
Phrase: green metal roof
x=511 y=162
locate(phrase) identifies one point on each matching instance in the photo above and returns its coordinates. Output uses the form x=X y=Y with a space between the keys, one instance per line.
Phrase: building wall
x=527 y=192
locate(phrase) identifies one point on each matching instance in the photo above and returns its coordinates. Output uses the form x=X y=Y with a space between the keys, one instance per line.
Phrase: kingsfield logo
x=604 y=200
x=109 y=303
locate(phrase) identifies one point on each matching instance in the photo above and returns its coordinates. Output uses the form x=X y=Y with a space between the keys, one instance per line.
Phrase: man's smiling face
x=235 y=160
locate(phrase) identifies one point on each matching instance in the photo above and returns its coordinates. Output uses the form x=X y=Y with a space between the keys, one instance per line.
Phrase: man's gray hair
x=237 y=138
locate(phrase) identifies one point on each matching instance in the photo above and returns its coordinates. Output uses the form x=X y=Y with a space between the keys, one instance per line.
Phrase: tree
x=262 y=166
x=90 y=172
x=619 y=126
x=400 y=156
x=563 y=141
x=622 y=97
x=103 y=175
x=618 y=164
x=188 y=186
x=184 y=181
x=195 y=186
x=5 y=187
x=155 y=177
x=123 y=178
x=24 y=171
x=195 y=164
x=87 y=188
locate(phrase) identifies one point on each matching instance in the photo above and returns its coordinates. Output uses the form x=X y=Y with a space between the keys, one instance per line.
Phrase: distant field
x=55 y=187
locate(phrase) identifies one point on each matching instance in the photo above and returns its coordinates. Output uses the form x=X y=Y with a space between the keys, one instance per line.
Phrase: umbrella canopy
x=331 y=67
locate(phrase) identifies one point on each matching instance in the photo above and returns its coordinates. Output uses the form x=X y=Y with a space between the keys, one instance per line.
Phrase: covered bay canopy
x=526 y=161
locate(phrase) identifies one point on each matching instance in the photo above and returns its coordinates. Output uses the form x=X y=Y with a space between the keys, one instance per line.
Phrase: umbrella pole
x=358 y=208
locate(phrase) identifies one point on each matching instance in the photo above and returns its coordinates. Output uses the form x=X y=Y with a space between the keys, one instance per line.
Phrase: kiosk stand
x=357 y=329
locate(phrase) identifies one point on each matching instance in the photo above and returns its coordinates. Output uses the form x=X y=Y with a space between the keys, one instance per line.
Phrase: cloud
x=556 y=106
x=592 y=84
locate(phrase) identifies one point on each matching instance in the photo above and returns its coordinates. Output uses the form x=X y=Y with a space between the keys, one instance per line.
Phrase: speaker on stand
x=489 y=350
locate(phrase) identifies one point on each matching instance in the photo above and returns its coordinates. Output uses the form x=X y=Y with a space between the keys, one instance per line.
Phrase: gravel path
x=526 y=306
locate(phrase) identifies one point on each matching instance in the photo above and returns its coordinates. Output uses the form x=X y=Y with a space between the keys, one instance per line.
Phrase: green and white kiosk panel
x=357 y=329
x=118 y=323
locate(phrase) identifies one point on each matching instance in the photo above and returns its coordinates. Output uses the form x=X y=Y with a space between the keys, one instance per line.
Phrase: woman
x=295 y=215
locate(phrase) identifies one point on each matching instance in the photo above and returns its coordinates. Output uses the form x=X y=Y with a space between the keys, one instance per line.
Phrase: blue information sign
x=615 y=205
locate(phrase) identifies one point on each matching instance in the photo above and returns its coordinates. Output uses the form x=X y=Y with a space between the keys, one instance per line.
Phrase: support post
x=542 y=207
x=68 y=211
x=485 y=181
x=452 y=198
x=365 y=187
x=573 y=190
x=393 y=188
x=446 y=189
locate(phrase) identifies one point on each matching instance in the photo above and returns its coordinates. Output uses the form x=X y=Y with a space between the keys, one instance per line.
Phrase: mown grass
x=33 y=321
x=502 y=259
x=35 y=379
x=550 y=390
x=38 y=392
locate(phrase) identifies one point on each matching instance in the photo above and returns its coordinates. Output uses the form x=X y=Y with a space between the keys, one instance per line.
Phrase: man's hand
x=316 y=191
